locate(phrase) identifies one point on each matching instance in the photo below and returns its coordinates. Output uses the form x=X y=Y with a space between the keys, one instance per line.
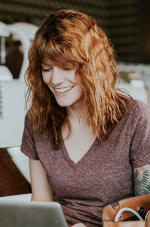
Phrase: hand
x=78 y=225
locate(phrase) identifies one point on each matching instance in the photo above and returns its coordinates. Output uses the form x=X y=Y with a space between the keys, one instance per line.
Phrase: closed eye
x=68 y=68
x=46 y=69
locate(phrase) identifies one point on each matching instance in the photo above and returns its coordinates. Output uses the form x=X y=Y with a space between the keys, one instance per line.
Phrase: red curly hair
x=74 y=38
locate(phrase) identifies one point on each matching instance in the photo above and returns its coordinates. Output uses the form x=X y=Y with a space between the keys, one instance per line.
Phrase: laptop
x=31 y=214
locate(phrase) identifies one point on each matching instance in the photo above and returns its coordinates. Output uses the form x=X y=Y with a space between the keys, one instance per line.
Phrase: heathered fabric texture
x=103 y=176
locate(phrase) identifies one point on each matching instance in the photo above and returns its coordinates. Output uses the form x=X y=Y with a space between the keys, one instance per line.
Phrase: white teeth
x=61 y=90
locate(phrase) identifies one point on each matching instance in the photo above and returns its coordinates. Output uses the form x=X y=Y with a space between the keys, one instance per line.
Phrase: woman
x=85 y=138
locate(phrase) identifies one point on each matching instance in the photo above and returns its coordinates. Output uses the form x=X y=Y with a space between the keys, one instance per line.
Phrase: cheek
x=78 y=83
x=78 y=80
x=46 y=79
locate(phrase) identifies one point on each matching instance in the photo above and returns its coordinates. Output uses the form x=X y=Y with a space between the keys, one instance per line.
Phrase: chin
x=64 y=104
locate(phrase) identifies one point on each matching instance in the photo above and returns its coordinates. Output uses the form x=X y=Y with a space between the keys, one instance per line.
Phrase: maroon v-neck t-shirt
x=105 y=173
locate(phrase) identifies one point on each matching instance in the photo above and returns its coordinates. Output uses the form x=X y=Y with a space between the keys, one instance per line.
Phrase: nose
x=57 y=77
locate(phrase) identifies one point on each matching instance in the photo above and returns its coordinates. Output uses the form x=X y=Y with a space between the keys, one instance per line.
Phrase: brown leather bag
x=140 y=204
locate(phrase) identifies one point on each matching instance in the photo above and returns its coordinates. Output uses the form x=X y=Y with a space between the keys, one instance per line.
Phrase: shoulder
x=139 y=106
x=28 y=128
x=137 y=117
x=139 y=132
x=138 y=110
x=31 y=134
x=28 y=121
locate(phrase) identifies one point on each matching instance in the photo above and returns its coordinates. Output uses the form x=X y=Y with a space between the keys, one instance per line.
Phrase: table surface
x=23 y=197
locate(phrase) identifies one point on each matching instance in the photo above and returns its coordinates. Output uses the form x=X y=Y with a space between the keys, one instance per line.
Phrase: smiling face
x=63 y=84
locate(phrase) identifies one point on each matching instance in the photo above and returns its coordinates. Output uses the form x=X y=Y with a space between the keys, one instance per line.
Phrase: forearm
x=47 y=198
x=41 y=190
x=142 y=180
x=40 y=200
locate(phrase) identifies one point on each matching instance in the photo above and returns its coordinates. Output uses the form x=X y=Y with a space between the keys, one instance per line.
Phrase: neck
x=77 y=115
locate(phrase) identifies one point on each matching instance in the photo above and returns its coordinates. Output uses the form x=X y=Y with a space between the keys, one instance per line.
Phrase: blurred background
x=125 y=22
x=127 y=25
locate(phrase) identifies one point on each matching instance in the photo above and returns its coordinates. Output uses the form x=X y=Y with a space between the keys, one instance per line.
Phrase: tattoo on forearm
x=142 y=180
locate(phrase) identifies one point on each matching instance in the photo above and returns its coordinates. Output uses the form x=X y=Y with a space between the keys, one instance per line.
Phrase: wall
x=144 y=31
x=125 y=22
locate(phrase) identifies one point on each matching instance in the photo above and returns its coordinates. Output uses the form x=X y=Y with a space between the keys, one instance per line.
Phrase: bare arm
x=142 y=180
x=41 y=191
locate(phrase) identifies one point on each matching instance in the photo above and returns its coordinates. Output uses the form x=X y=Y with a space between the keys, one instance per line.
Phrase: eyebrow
x=45 y=64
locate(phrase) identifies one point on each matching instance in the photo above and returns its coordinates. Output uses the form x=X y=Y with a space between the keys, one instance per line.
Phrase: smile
x=62 y=90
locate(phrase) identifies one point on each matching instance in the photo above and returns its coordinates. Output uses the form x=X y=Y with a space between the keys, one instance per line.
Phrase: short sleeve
x=28 y=143
x=140 y=147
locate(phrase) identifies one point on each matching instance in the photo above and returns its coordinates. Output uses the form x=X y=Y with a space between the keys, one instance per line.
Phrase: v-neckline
x=85 y=156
